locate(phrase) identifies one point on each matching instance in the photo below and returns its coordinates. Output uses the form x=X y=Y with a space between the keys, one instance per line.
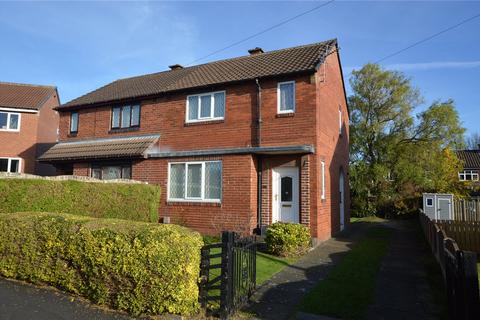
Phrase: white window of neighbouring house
x=286 y=97
x=195 y=181
x=125 y=117
x=74 y=122
x=10 y=165
x=468 y=175
x=340 y=121
x=9 y=121
x=429 y=202
x=206 y=107
x=323 y=196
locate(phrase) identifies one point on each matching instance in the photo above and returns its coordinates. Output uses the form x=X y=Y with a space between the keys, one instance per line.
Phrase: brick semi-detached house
x=235 y=144
x=28 y=127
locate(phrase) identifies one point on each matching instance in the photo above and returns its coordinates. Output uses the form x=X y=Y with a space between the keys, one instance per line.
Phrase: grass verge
x=349 y=287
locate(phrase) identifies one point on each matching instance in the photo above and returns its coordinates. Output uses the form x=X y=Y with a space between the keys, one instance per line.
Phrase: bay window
x=195 y=181
x=206 y=107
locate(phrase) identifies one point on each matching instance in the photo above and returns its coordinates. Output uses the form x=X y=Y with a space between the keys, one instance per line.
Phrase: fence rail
x=459 y=269
x=465 y=233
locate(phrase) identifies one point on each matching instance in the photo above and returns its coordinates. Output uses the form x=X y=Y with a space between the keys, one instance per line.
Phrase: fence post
x=226 y=290
x=471 y=302
x=204 y=264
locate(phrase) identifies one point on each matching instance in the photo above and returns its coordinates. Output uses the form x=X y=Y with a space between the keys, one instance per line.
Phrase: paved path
x=403 y=290
x=21 y=301
x=279 y=296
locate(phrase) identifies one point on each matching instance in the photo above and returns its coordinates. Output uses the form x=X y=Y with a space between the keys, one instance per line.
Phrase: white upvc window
x=468 y=175
x=12 y=165
x=195 y=181
x=323 y=196
x=340 y=121
x=286 y=97
x=205 y=107
x=9 y=121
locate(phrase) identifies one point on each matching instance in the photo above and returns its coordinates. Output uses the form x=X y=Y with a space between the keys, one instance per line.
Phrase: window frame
x=279 y=96
x=78 y=121
x=121 y=115
x=340 y=123
x=324 y=193
x=9 y=114
x=9 y=164
x=426 y=202
x=101 y=166
x=202 y=198
x=474 y=174
x=212 y=107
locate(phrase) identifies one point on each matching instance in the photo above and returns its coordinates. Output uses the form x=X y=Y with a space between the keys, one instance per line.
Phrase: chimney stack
x=255 y=51
x=176 y=67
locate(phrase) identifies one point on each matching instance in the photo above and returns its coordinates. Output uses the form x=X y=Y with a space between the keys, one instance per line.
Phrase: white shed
x=438 y=206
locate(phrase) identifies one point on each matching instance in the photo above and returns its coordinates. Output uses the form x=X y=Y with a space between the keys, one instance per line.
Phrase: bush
x=133 y=266
x=287 y=239
x=101 y=200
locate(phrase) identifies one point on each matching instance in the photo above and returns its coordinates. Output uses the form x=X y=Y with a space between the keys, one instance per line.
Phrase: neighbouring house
x=235 y=144
x=28 y=127
x=471 y=168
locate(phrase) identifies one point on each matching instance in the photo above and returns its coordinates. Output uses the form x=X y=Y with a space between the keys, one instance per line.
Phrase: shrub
x=133 y=266
x=286 y=239
x=101 y=200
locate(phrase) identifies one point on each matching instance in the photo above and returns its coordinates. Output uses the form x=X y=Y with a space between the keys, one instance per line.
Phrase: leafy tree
x=473 y=141
x=395 y=156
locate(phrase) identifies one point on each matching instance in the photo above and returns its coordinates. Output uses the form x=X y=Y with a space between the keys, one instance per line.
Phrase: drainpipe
x=259 y=158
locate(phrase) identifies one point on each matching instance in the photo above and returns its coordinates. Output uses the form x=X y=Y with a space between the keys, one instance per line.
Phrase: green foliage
x=101 y=200
x=287 y=239
x=396 y=156
x=133 y=266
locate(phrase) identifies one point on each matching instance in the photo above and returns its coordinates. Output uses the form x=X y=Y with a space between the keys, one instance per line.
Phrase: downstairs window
x=110 y=172
x=11 y=165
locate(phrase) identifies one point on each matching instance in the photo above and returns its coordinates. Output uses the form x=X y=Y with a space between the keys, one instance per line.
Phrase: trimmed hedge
x=287 y=239
x=101 y=200
x=142 y=268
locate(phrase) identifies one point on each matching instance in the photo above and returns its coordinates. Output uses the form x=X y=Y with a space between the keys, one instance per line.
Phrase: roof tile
x=24 y=96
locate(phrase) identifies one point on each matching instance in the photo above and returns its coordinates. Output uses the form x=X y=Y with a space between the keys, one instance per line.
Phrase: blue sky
x=80 y=46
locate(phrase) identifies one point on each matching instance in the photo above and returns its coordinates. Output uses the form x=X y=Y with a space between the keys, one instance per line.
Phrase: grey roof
x=273 y=63
x=470 y=158
x=24 y=96
x=110 y=148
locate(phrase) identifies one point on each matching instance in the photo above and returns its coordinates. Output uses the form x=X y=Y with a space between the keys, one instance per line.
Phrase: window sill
x=72 y=134
x=196 y=123
x=285 y=115
x=193 y=203
x=120 y=130
x=8 y=130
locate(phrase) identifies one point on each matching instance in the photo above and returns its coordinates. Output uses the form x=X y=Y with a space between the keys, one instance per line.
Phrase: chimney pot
x=175 y=66
x=255 y=51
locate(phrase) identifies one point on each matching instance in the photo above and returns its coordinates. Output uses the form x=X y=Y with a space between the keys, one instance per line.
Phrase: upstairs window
x=10 y=165
x=74 y=122
x=126 y=117
x=206 y=107
x=468 y=175
x=9 y=121
x=195 y=181
x=286 y=97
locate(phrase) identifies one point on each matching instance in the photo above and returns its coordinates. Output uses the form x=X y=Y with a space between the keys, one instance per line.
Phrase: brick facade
x=319 y=97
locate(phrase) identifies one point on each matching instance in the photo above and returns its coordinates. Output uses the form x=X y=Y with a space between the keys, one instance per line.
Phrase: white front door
x=341 y=198
x=285 y=196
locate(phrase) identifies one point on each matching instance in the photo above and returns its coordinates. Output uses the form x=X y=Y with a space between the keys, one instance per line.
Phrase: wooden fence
x=465 y=233
x=459 y=269
x=466 y=210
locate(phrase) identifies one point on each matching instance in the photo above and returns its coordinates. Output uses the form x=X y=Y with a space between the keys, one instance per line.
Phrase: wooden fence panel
x=466 y=210
x=465 y=233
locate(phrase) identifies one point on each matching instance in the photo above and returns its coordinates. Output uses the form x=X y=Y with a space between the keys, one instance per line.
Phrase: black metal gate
x=228 y=274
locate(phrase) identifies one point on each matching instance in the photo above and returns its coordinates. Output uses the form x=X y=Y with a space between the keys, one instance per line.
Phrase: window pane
x=219 y=105
x=115 y=117
x=14 y=121
x=111 y=173
x=14 y=165
x=193 y=108
x=3 y=120
x=286 y=97
x=177 y=181
x=205 y=106
x=97 y=173
x=74 y=122
x=286 y=185
x=213 y=180
x=126 y=117
x=126 y=173
x=135 y=115
x=3 y=165
x=194 y=180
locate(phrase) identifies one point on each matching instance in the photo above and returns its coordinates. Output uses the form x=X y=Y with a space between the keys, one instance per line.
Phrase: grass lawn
x=366 y=219
x=349 y=287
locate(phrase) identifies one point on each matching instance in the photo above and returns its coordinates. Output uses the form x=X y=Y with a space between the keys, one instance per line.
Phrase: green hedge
x=142 y=268
x=101 y=200
x=287 y=239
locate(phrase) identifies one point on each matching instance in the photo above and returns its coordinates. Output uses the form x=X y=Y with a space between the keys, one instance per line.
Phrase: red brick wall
x=47 y=133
